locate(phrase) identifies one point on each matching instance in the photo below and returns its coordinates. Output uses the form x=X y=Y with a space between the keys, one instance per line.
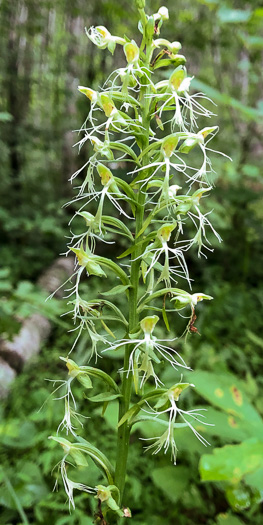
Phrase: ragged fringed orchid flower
x=167 y=404
x=146 y=352
x=160 y=246
x=148 y=126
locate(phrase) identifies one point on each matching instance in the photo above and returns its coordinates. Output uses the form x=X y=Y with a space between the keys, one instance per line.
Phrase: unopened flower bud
x=140 y=4
x=164 y=13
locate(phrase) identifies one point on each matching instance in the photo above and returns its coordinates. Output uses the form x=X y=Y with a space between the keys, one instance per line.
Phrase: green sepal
x=178 y=60
x=79 y=458
x=165 y=318
x=113 y=221
x=160 y=293
x=98 y=457
x=120 y=146
x=116 y=290
x=96 y=372
x=135 y=409
x=111 y=46
x=127 y=189
x=71 y=450
x=84 y=380
x=104 y=396
x=131 y=250
x=123 y=97
x=115 y=268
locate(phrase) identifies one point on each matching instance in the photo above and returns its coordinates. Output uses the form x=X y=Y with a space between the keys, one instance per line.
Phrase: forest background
x=45 y=55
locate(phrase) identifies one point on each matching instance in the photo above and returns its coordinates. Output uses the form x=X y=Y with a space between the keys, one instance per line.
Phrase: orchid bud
x=149 y=29
x=140 y=4
x=197 y=297
x=174 y=47
x=164 y=13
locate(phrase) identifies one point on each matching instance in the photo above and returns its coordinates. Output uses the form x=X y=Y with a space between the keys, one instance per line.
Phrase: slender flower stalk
x=151 y=125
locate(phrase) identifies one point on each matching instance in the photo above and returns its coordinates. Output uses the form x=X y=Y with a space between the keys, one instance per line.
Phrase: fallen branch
x=34 y=330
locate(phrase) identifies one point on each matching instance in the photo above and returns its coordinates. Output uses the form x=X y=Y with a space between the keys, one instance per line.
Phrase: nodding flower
x=102 y=38
x=76 y=453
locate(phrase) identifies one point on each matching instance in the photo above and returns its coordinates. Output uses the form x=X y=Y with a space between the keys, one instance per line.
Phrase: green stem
x=124 y=430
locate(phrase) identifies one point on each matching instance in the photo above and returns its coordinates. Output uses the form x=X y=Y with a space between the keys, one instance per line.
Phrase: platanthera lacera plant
x=148 y=122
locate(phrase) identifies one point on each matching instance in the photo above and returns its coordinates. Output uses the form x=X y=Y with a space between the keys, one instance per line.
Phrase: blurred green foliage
x=44 y=56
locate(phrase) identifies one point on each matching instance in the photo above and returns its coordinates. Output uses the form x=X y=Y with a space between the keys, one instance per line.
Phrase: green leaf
x=120 y=289
x=225 y=392
x=255 y=479
x=135 y=409
x=117 y=224
x=120 y=146
x=159 y=293
x=172 y=481
x=115 y=268
x=5 y=117
x=104 y=396
x=98 y=457
x=225 y=426
x=96 y=372
x=232 y=462
x=165 y=318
